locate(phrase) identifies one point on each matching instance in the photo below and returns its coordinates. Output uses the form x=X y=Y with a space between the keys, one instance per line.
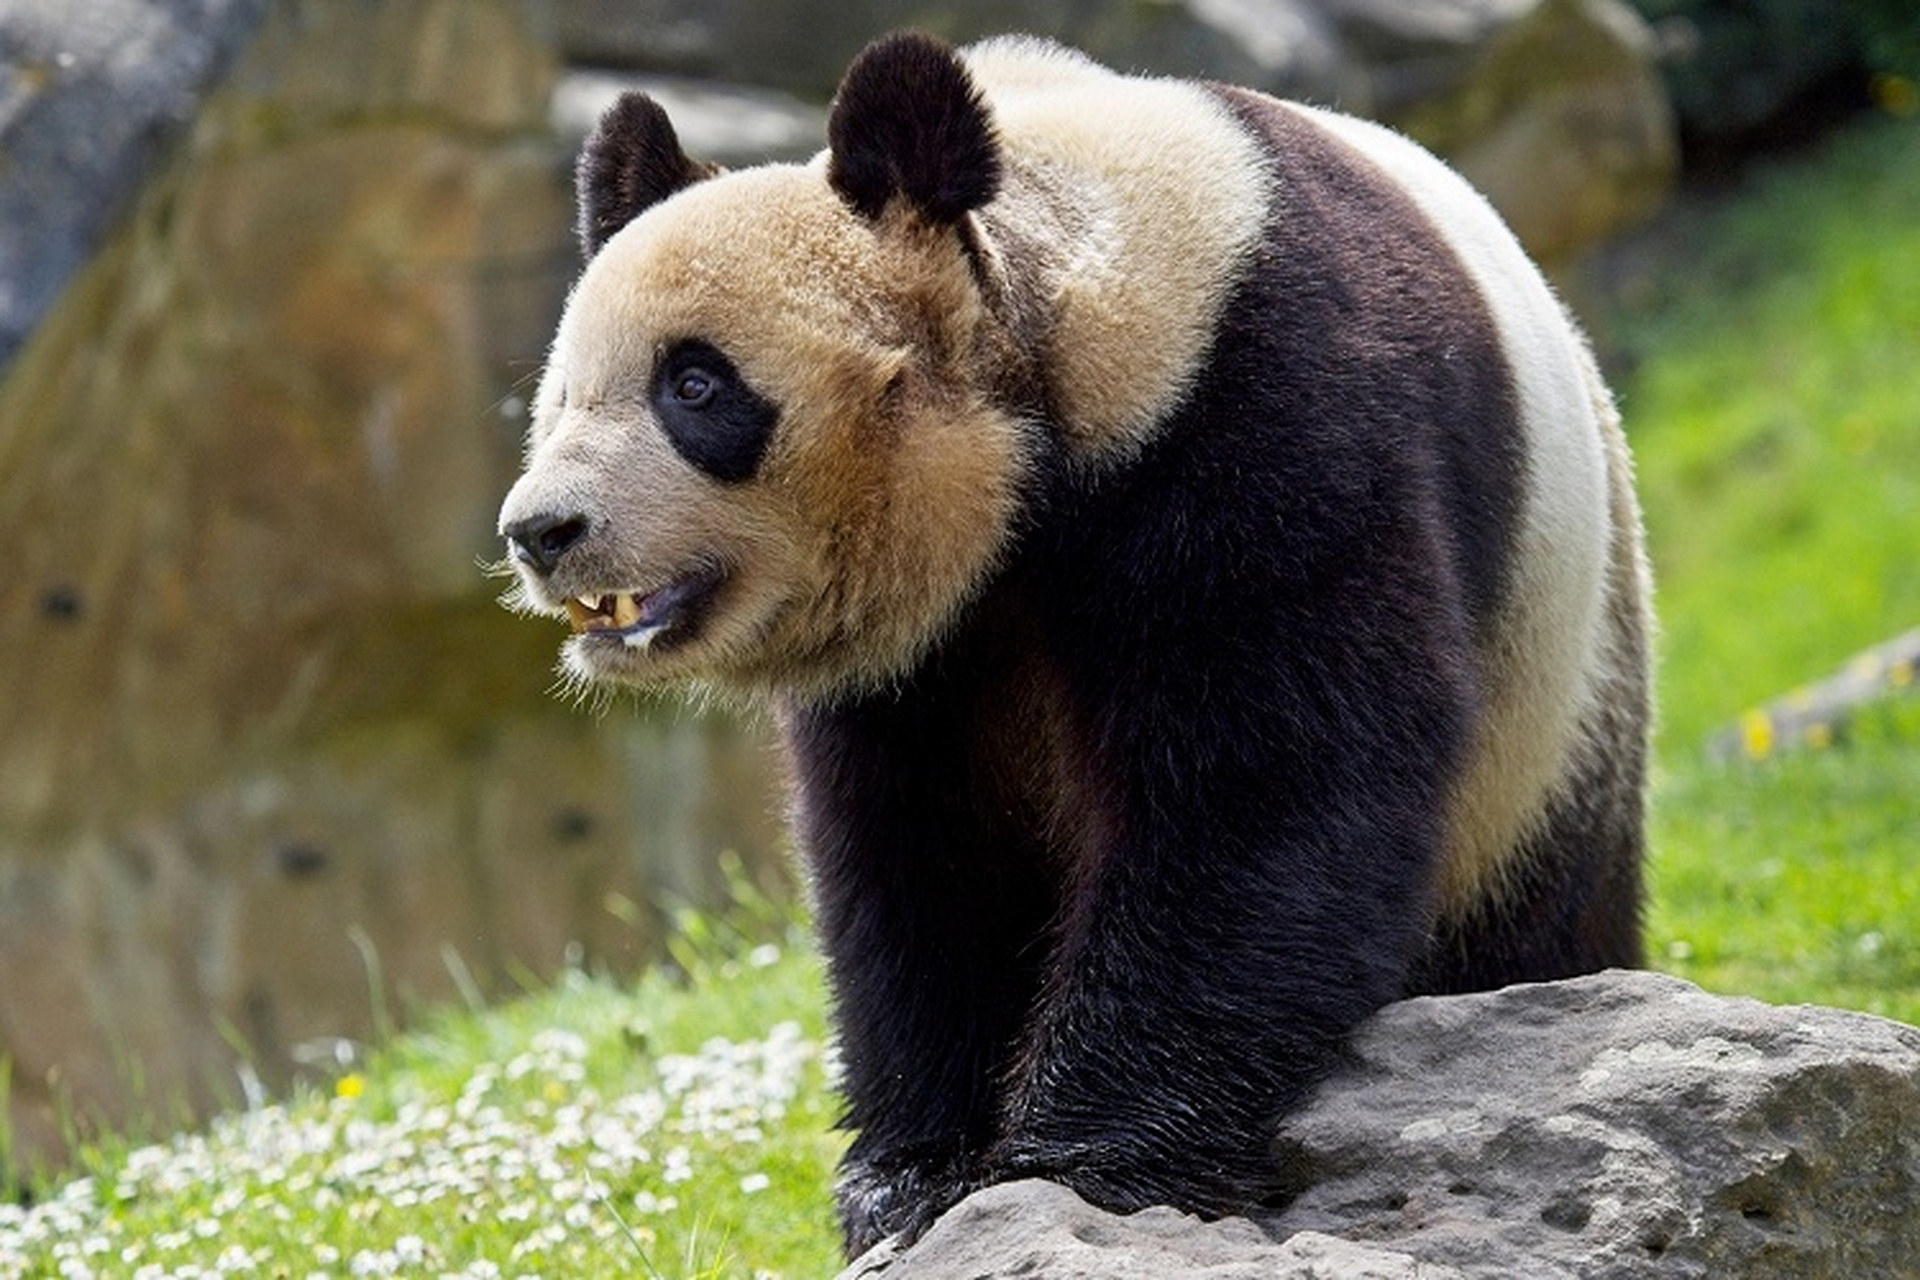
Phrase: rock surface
x=1037 y=1228
x=1552 y=107
x=1626 y=1124
x=722 y=123
x=90 y=95
x=274 y=760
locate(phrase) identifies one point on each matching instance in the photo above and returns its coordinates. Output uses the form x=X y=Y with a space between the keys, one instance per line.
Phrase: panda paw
x=899 y=1200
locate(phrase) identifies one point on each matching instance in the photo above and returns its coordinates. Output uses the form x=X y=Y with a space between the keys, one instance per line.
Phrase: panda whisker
x=501 y=568
x=592 y=697
x=517 y=598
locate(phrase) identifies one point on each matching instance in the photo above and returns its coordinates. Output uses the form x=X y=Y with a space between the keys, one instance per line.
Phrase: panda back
x=1155 y=216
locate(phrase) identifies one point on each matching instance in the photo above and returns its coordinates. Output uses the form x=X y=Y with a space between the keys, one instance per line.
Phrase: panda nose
x=540 y=541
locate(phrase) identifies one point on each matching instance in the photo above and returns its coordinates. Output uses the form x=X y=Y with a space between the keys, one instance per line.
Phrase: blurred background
x=275 y=278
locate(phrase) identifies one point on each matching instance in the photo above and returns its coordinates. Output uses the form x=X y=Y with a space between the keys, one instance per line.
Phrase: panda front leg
x=927 y=911
x=1262 y=895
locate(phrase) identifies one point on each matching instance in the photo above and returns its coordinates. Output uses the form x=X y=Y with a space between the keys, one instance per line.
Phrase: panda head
x=770 y=449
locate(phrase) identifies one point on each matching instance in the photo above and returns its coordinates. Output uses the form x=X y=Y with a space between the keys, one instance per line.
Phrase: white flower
x=647 y=1202
x=679 y=1166
x=234 y=1258
x=554 y=1043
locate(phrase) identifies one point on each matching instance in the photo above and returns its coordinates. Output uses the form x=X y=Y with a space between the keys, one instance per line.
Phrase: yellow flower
x=1894 y=94
x=350 y=1086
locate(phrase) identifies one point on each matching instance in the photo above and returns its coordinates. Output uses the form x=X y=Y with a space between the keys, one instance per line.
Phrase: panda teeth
x=611 y=611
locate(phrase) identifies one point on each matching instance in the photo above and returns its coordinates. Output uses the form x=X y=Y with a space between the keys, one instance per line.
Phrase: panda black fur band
x=1194 y=563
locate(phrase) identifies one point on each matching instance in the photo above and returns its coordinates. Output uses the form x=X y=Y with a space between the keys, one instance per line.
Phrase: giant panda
x=1191 y=559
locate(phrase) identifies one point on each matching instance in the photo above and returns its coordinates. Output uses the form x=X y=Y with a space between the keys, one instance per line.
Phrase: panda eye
x=694 y=388
x=713 y=416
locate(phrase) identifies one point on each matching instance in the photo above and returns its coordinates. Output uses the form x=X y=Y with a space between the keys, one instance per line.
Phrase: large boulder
x=727 y=124
x=1554 y=108
x=1035 y=1228
x=802 y=47
x=1626 y=1124
x=275 y=762
x=91 y=94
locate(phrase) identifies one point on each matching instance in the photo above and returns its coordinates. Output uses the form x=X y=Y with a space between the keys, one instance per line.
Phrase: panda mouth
x=637 y=618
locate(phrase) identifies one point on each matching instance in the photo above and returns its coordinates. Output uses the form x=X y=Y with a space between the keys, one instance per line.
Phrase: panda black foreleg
x=1256 y=891
x=1185 y=1027
x=927 y=913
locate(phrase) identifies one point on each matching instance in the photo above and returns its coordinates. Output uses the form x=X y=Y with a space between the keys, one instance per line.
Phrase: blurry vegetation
x=1767 y=373
x=1751 y=72
x=1765 y=351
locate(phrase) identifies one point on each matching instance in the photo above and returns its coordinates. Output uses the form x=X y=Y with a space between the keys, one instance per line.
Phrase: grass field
x=1772 y=390
x=1768 y=359
x=680 y=1126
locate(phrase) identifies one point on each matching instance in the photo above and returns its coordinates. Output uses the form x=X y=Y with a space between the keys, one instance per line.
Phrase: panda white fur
x=1193 y=561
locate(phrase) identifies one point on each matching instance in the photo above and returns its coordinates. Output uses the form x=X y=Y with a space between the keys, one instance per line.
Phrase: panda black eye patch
x=711 y=416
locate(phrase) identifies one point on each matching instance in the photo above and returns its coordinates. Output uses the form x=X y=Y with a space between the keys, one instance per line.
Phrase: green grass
x=1774 y=405
x=1794 y=879
x=682 y=1125
x=677 y=1127
x=1775 y=414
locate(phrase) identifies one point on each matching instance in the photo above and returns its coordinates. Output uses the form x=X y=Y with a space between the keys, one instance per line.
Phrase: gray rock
x=274 y=760
x=1626 y=1124
x=91 y=92
x=1041 y=1229
x=1552 y=107
x=802 y=47
x=718 y=122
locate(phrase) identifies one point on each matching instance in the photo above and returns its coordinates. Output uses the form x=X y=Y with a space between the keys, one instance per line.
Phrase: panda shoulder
x=1015 y=64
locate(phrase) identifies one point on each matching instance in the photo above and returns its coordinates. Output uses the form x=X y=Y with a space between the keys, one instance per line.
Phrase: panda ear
x=631 y=162
x=909 y=121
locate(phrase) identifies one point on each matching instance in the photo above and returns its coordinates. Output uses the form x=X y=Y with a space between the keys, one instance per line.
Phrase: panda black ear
x=909 y=121
x=631 y=162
